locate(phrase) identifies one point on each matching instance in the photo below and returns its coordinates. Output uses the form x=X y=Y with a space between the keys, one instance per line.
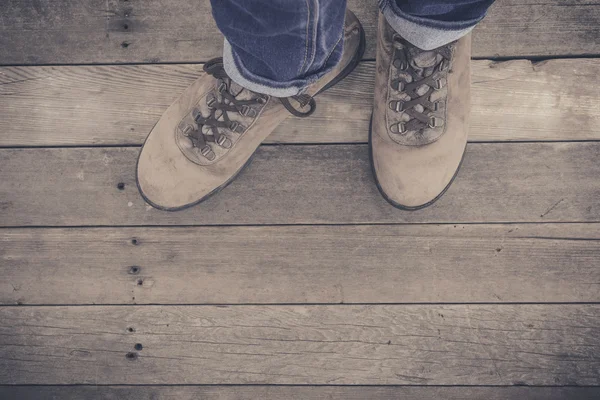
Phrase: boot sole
x=344 y=73
x=392 y=202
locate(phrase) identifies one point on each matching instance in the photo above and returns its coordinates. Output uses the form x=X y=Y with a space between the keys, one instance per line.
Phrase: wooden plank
x=112 y=31
x=347 y=264
x=308 y=345
x=525 y=182
x=296 y=393
x=116 y=105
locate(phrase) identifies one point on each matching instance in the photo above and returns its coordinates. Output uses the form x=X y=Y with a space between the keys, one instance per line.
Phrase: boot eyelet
x=437 y=106
x=400 y=64
x=207 y=152
x=397 y=40
x=222 y=86
x=438 y=84
x=397 y=85
x=187 y=130
x=399 y=128
x=248 y=111
x=235 y=126
x=397 y=105
x=210 y=101
x=435 y=122
x=224 y=142
x=196 y=115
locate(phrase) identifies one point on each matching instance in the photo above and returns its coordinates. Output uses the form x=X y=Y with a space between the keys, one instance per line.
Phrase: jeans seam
x=314 y=36
x=333 y=49
x=301 y=70
x=382 y=5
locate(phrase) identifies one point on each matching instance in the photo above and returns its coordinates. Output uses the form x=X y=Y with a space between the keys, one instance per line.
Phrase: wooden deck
x=298 y=281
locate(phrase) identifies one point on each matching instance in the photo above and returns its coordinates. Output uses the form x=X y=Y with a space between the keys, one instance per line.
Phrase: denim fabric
x=453 y=14
x=279 y=47
x=433 y=23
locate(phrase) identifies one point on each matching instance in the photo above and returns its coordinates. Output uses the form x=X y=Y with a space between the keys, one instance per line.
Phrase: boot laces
x=418 y=84
x=225 y=100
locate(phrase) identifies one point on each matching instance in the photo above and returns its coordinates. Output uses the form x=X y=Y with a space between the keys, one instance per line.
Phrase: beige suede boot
x=209 y=134
x=420 y=121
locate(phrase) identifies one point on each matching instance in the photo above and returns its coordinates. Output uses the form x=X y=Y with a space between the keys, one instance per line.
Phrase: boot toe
x=164 y=184
x=411 y=177
x=166 y=178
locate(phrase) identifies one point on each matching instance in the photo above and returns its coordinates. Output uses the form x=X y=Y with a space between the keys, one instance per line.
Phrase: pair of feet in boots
x=417 y=136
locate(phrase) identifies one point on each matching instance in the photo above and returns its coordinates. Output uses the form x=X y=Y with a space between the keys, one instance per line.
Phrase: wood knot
x=134 y=270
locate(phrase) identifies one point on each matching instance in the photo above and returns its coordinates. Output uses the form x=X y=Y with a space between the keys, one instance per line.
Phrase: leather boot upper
x=420 y=117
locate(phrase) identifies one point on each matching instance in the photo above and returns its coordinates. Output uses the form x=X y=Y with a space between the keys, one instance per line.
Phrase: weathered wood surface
x=113 y=31
x=256 y=392
x=370 y=345
x=302 y=264
x=526 y=182
x=115 y=105
x=345 y=344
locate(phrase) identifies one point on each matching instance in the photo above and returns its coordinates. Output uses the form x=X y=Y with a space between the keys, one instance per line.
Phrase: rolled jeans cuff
x=243 y=77
x=424 y=33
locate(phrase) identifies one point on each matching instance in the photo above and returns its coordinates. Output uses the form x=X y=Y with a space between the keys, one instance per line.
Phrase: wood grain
x=117 y=105
x=532 y=182
x=113 y=31
x=302 y=264
x=344 y=345
x=296 y=393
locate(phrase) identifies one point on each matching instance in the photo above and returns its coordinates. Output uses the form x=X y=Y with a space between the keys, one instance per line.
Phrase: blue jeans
x=279 y=47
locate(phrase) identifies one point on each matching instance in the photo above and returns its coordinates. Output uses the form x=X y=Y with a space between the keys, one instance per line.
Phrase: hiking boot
x=203 y=140
x=420 y=120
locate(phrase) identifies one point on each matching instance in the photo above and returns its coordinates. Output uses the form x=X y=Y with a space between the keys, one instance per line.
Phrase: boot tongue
x=423 y=62
x=423 y=59
x=239 y=92
x=235 y=88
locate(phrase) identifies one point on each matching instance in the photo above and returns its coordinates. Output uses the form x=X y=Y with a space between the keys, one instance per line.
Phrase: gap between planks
x=84 y=31
x=296 y=393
